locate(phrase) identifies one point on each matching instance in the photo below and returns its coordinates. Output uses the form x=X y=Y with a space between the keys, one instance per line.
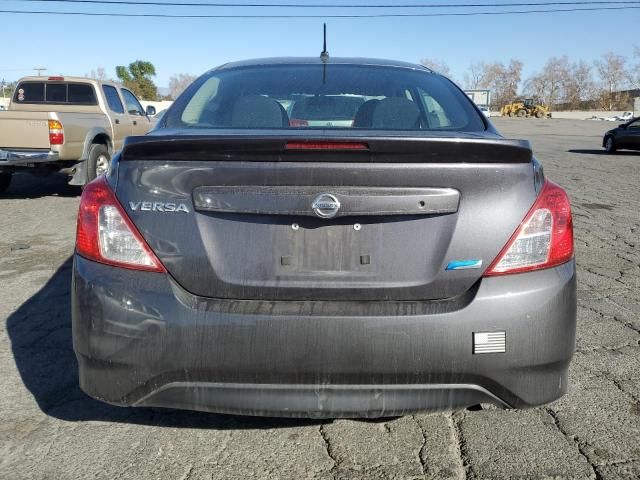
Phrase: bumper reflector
x=489 y=342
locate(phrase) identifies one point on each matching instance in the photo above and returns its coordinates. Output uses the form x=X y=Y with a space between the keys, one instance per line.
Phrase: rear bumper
x=23 y=158
x=141 y=339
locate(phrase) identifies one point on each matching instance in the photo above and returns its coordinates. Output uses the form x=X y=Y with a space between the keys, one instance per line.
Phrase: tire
x=521 y=113
x=510 y=113
x=5 y=181
x=98 y=161
x=539 y=114
x=610 y=145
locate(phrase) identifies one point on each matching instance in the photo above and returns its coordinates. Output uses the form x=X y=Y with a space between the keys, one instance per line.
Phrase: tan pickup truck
x=67 y=124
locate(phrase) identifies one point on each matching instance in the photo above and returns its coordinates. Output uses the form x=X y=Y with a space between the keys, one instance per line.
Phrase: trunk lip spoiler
x=446 y=149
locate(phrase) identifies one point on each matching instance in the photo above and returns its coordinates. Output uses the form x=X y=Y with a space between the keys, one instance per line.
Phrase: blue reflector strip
x=464 y=264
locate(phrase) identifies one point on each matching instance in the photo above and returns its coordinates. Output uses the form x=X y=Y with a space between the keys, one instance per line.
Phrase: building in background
x=482 y=98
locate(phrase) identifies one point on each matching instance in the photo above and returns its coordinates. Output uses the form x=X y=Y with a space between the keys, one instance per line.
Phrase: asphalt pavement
x=50 y=430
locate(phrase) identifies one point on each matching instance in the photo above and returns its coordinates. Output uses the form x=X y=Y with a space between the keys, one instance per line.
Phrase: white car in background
x=485 y=111
x=625 y=117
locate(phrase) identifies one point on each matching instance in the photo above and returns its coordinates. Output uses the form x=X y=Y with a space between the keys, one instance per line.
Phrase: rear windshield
x=324 y=96
x=55 y=93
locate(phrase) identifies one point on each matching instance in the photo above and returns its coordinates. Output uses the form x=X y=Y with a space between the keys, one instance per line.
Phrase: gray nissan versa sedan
x=324 y=238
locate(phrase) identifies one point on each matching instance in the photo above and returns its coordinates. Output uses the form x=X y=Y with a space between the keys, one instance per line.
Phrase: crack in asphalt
x=616 y=318
x=619 y=387
x=603 y=375
x=461 y=445
x=573 y=441
x=187 y=473
x=423 y=448
x=329 y=449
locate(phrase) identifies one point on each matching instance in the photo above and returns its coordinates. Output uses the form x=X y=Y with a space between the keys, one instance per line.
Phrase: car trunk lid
x=249 y=217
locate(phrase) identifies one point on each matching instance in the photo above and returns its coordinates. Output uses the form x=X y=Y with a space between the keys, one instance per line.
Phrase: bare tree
x=513 y=77
x=579 y=86
x=439 y=66
x=634 y=71
x=99 y=74
x=611 y=69
x=557 y=71
x=178 y=83
x=548 y=86
x=536 y=87
x=502 y=80
x=474 y=77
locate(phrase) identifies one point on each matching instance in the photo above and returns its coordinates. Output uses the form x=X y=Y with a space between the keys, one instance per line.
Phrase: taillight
x=296 y=122
x=56 y=133
x=544 y=238
x=105 y=233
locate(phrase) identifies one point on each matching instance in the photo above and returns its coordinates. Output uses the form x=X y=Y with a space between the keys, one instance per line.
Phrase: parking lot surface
x=50 y=429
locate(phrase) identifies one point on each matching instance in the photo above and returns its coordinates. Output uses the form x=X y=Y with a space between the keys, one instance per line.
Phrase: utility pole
x=39 y=69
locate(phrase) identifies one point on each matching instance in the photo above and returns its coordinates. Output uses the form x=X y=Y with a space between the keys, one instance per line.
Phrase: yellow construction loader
x=525 y=108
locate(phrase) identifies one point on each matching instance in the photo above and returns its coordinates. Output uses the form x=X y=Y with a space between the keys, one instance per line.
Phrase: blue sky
x=76 y=45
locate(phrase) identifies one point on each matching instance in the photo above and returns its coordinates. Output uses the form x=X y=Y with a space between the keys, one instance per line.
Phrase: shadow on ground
x=603 y=152
x=40 y=334
x=25 y=185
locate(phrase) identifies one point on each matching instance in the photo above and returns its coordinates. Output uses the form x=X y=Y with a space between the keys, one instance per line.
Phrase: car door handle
x=117 y=122
x=135 y=122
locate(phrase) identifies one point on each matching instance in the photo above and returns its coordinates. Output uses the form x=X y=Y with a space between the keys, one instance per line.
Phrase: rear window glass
x=30 y=93
x=81 y=94
x=56 y=93
x=324 y=96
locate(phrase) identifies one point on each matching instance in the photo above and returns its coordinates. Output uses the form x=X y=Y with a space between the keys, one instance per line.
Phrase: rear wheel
x=5 y=181
x=511 y=113
x=539 y=114
x=98 y=161
x=522 y=113
x=610 y=145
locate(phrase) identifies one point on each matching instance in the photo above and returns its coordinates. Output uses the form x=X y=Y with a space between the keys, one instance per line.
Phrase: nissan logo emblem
x=326 y=205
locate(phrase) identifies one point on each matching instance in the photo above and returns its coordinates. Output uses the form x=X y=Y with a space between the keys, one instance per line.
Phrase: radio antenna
x=324 y=56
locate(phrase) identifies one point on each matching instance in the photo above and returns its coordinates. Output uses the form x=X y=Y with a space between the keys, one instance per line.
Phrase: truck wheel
x=539 y=114
x=98 y=161
x=5 y=181
x=522 y=113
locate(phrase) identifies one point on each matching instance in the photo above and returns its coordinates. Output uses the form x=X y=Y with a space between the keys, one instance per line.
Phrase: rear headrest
x=256 y=111
x=396 y=113
x=364 y=115
x=299 y=108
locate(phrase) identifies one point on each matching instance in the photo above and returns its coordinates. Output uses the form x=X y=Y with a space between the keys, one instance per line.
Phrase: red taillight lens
x=56 y=133
x=105 y=233
x=327 y=146
x=544 y=238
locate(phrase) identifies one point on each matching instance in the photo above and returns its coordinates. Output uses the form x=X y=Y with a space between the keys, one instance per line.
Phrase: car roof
x=318 y=61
